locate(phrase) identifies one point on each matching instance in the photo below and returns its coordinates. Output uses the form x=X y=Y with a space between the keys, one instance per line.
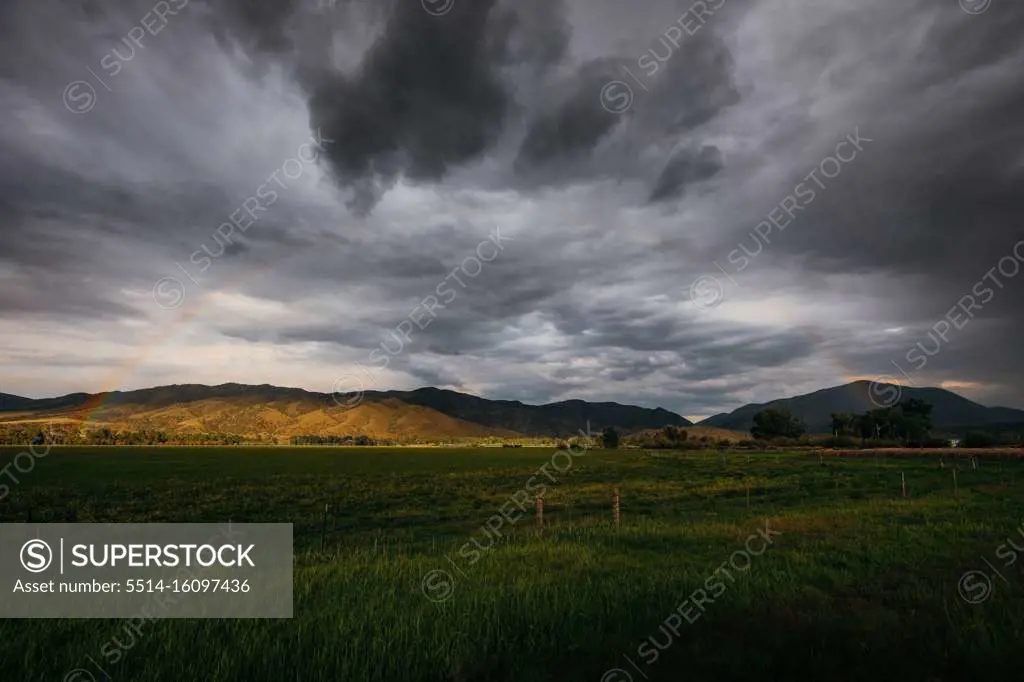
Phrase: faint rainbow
x=127 y=369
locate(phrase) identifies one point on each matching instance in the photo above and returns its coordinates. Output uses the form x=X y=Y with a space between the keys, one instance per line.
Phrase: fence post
x=540 y=513
x=956 y=489
x=903 y=483
x=615 y=508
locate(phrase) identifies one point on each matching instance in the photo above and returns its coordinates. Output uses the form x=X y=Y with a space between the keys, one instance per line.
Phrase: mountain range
x=271 y=412
x=279 y=413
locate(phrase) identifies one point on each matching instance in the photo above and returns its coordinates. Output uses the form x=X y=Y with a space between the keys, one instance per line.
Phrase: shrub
x=610 y=438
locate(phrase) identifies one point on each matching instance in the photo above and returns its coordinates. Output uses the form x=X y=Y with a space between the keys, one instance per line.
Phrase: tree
x=674 y=435
x=882 y=418
x=840 y=423
x=773 y=423
x=917 y=420
x=610 y=438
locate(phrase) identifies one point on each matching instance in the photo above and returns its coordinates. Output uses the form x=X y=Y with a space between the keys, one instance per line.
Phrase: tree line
x=909 y=423
x=76 y=434
x=338 y=440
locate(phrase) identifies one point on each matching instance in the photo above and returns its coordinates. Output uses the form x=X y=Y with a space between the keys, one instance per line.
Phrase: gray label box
x=146 y=570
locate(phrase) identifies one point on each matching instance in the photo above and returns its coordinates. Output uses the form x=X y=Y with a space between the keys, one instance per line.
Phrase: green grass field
x=861 y=584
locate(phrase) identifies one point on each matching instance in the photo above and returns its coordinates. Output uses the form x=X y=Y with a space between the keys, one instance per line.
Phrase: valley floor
x=725 y=566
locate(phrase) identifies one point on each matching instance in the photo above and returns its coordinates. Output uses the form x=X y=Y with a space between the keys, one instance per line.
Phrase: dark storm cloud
x=34 y=190
x=576 y=124
x=531 y=34
x=685 y=168
x=705 y=350
x=933 y=203
x=937 y=192
x=936 y=199
x=261 y=25
x=691 y=85
x=46 y=294
x=631 y=341
x=580 y=132
x=496 y=106
x=427 y=96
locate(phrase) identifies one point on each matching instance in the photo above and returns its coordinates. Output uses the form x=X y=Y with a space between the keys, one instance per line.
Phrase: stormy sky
x=677 y=204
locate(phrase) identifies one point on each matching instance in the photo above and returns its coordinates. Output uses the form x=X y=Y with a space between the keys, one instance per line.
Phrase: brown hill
x=272 y=413
x=253 y=418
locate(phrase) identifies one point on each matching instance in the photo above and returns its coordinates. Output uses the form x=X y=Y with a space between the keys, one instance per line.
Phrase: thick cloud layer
x=692 y=205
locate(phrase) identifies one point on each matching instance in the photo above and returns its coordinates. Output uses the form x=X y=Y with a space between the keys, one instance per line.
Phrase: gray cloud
x=685 y=168
x=491 y=116
x=575 y=125
x=429 y=94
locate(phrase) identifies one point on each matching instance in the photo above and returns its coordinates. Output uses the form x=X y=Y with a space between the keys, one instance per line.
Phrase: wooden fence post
x=956 y=489
x=903 y=483
x=615 y=508
x=540 y=513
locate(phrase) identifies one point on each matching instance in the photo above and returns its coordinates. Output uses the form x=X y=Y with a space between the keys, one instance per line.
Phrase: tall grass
x=862 y=584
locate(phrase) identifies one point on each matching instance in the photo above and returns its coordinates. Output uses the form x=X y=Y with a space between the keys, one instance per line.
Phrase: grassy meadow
x=861 y=583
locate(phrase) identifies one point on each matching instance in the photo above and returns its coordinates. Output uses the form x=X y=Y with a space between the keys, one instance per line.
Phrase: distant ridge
x=264 y=410
x=559 y=419
x=949 y=409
